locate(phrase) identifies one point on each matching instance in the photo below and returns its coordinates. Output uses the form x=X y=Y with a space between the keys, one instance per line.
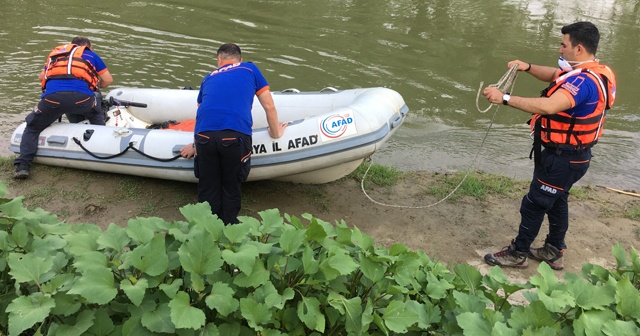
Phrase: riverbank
x=459 y=230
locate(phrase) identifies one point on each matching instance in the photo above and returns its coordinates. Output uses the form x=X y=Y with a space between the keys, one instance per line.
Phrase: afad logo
x=336 y=126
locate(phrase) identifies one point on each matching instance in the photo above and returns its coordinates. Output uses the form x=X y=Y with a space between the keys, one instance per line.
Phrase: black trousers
x=222 y=164
x=548 y=194
x=49 y=109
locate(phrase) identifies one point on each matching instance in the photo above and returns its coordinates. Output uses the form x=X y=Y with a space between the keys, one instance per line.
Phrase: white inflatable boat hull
x=330 y=133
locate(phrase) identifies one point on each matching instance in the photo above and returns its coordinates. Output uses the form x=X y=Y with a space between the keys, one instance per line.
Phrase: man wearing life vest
x=567 y=121
x=71 y=75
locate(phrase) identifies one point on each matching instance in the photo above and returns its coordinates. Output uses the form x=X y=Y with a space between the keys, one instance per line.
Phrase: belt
x=566 y=152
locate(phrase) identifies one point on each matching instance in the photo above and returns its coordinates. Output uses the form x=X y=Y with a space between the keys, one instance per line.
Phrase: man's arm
x=105 y=79
x=276 y=128
x=541 y=72
x=558 y=101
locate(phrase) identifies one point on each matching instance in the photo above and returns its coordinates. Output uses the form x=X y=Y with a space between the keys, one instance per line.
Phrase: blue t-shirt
x=226 y=98
x=76 y=85
x=583 y=90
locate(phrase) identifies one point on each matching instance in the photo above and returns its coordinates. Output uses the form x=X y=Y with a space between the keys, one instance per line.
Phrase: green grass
x=477 y=185
x=633 y=213
x=378 y=174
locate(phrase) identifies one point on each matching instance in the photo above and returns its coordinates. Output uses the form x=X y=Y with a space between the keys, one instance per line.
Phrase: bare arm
x=276 y=128
x=105 y=79
x=541 y=72
x=539 y=105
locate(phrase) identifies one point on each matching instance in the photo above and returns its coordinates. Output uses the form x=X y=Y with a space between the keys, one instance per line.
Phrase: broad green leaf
x=271 y=221
x=291 y=240
x=358 y=238
x=142 y=230
x=200 y=255
x=210 y=330
x=46 y=246
x=66 y=304
x=151 y=258
x=621 y=255
x=236 y=233
x=20 y=234
x=372 y=270
x=96 y=286
x=28 y=267
x=244 y=259
x=340 y=261
x=557 y=301
x=310 y=264
x=589 y=296
x=547 y=281
x=470 y=275
x=533 y=315
x=158 y=320
x=90 y=260
x=26 y=311
x=316 y=232
x=470 y=303
x=102 y=324
x=437 y=288
x=620 y=328
x=14 y=208
x=221 y=299
x=114 y=237
x=82 y=242
x=473 y=323
x=183 y=315
x=427 y=313
x=256 y=314
x=136 y=292
x=351 y=309
x=310 y=314
x=592 y=322
x=627 y=299
x=171 y=289
x=259 y=276
x=397 y=317
x=82 y=324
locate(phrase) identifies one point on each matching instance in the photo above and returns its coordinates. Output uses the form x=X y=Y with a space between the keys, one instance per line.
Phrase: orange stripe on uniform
x=583 y=161
x=262 y=90
x=550 y=185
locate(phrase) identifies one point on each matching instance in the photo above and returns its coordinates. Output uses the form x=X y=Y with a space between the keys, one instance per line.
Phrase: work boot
x=508 y=257
x=22 y=171
x=549 y=254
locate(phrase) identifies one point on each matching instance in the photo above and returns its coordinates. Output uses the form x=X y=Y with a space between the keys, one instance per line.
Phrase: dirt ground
x=455 y=231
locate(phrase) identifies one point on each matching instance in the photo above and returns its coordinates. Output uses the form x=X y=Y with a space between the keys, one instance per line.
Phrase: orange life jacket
x=563 y=131
x=66 y=61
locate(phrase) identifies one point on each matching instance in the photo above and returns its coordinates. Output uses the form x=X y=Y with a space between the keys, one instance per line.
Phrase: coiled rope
x=505 y=84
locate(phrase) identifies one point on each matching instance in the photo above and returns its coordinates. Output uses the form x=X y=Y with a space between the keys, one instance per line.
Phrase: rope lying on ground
x=505 y=84
x=621 y=191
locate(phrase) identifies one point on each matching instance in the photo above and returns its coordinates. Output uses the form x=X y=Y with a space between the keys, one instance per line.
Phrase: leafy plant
x=277 y=275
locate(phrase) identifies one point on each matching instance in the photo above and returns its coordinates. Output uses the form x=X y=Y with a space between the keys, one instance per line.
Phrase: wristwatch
x=505 y=98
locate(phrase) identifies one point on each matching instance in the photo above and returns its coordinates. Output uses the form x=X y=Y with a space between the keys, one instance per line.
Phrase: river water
x=433 y=52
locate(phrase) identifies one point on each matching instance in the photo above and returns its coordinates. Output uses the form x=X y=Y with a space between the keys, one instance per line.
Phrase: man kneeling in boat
x=71 y=75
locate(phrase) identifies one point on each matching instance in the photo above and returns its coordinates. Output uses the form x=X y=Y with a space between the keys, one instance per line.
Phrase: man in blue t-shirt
x=567 y=121
x=68 y=84
x=222 y=134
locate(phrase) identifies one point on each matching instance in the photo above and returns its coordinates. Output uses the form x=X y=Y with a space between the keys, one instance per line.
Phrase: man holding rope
x=567 y=121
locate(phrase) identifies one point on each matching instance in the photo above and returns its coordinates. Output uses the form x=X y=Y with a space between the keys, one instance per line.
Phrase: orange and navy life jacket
x=561 y=130
x=66 y=62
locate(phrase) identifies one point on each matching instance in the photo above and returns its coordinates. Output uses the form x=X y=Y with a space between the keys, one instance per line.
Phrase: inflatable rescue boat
x=330 y=133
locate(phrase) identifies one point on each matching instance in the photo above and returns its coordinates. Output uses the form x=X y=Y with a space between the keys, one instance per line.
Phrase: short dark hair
x=585 y=33
x=81 y=41
x=229 y=50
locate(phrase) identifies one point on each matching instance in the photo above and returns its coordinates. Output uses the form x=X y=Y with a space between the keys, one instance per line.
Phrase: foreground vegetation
x=278 y=275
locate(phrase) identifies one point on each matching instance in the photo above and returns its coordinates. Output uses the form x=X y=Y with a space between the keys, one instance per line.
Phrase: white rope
x=505 y=84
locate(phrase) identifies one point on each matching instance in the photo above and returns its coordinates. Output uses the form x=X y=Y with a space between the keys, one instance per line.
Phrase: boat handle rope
x=507 y=82
x=124 y=151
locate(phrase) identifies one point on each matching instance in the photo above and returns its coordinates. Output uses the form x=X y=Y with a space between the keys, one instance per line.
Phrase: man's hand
x=493 y=95
x=279 y=131
x=188 y=151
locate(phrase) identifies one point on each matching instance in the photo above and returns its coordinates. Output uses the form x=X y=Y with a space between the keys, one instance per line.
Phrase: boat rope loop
x=507 y=82
x=124 y=151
